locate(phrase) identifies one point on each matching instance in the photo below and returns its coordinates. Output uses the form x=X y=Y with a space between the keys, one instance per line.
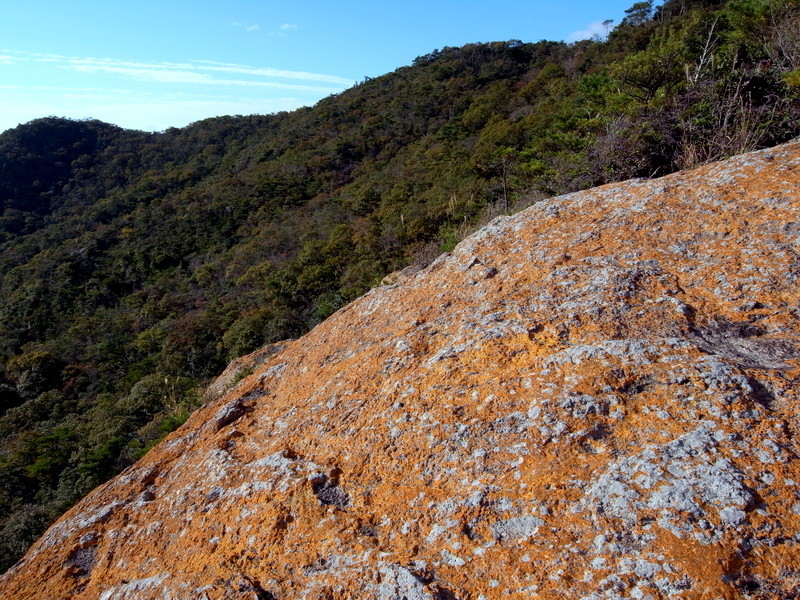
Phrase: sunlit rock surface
x=594 y=399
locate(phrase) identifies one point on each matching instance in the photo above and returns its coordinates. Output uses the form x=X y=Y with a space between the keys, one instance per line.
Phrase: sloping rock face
x=596 y=399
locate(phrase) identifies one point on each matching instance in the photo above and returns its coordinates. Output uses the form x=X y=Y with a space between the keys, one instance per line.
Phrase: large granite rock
x=594 y=399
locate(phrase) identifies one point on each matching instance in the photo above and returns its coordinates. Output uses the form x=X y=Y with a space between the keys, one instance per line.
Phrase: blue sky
x=151 y=65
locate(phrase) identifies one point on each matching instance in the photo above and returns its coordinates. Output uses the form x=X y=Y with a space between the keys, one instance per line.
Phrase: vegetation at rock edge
x=134 y=265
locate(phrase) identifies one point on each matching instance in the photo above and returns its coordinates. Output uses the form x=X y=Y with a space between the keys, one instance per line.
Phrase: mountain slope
x=595 y=398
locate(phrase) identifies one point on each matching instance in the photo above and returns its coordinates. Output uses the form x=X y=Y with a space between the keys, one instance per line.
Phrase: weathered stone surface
x=594 y=399
x=240 y=368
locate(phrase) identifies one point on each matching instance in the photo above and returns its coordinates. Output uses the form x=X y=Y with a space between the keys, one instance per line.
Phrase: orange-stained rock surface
x=595 y=399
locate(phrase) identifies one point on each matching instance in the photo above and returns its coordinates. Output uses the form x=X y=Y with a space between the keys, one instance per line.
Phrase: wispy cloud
x=202 y=72
x=597 y=29
x=164 y=75
x=16 y=55
x=267 y=72
x=246 y=26
x=146 y=74
x=283 y=30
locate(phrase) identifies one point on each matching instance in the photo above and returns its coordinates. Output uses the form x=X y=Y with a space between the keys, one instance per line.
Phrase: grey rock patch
x=400 y=582
x=273 y=372
x=102 y=515
x=678 y=481
x=516 y=528
x=581 y=405
x=451 y=559
x=229 y=413
x=732 y=515
x=131 y=590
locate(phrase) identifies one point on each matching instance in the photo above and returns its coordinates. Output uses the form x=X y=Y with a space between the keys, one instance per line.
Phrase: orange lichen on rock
x=595 y=399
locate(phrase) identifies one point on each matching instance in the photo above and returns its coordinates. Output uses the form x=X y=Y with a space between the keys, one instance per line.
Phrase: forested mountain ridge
x=135 y=265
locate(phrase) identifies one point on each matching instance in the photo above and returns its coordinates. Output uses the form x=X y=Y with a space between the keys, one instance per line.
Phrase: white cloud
x=194 y=72
x=246 y=26
x=598 y=29
x=159 y=74
x=283 y=30
x=267 y=72
x=17 y=55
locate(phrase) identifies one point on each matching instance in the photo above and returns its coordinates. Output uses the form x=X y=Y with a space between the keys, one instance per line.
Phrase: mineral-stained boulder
x=596 y=398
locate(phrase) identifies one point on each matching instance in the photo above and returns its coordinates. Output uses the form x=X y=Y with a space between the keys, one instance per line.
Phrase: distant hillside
x=134 y=266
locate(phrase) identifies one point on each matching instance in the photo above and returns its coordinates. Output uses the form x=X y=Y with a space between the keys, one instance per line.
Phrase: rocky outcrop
x=596 y=398
x=238 y=369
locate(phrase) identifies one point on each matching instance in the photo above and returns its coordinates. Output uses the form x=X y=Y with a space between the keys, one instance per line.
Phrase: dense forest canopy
x=134 y=266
